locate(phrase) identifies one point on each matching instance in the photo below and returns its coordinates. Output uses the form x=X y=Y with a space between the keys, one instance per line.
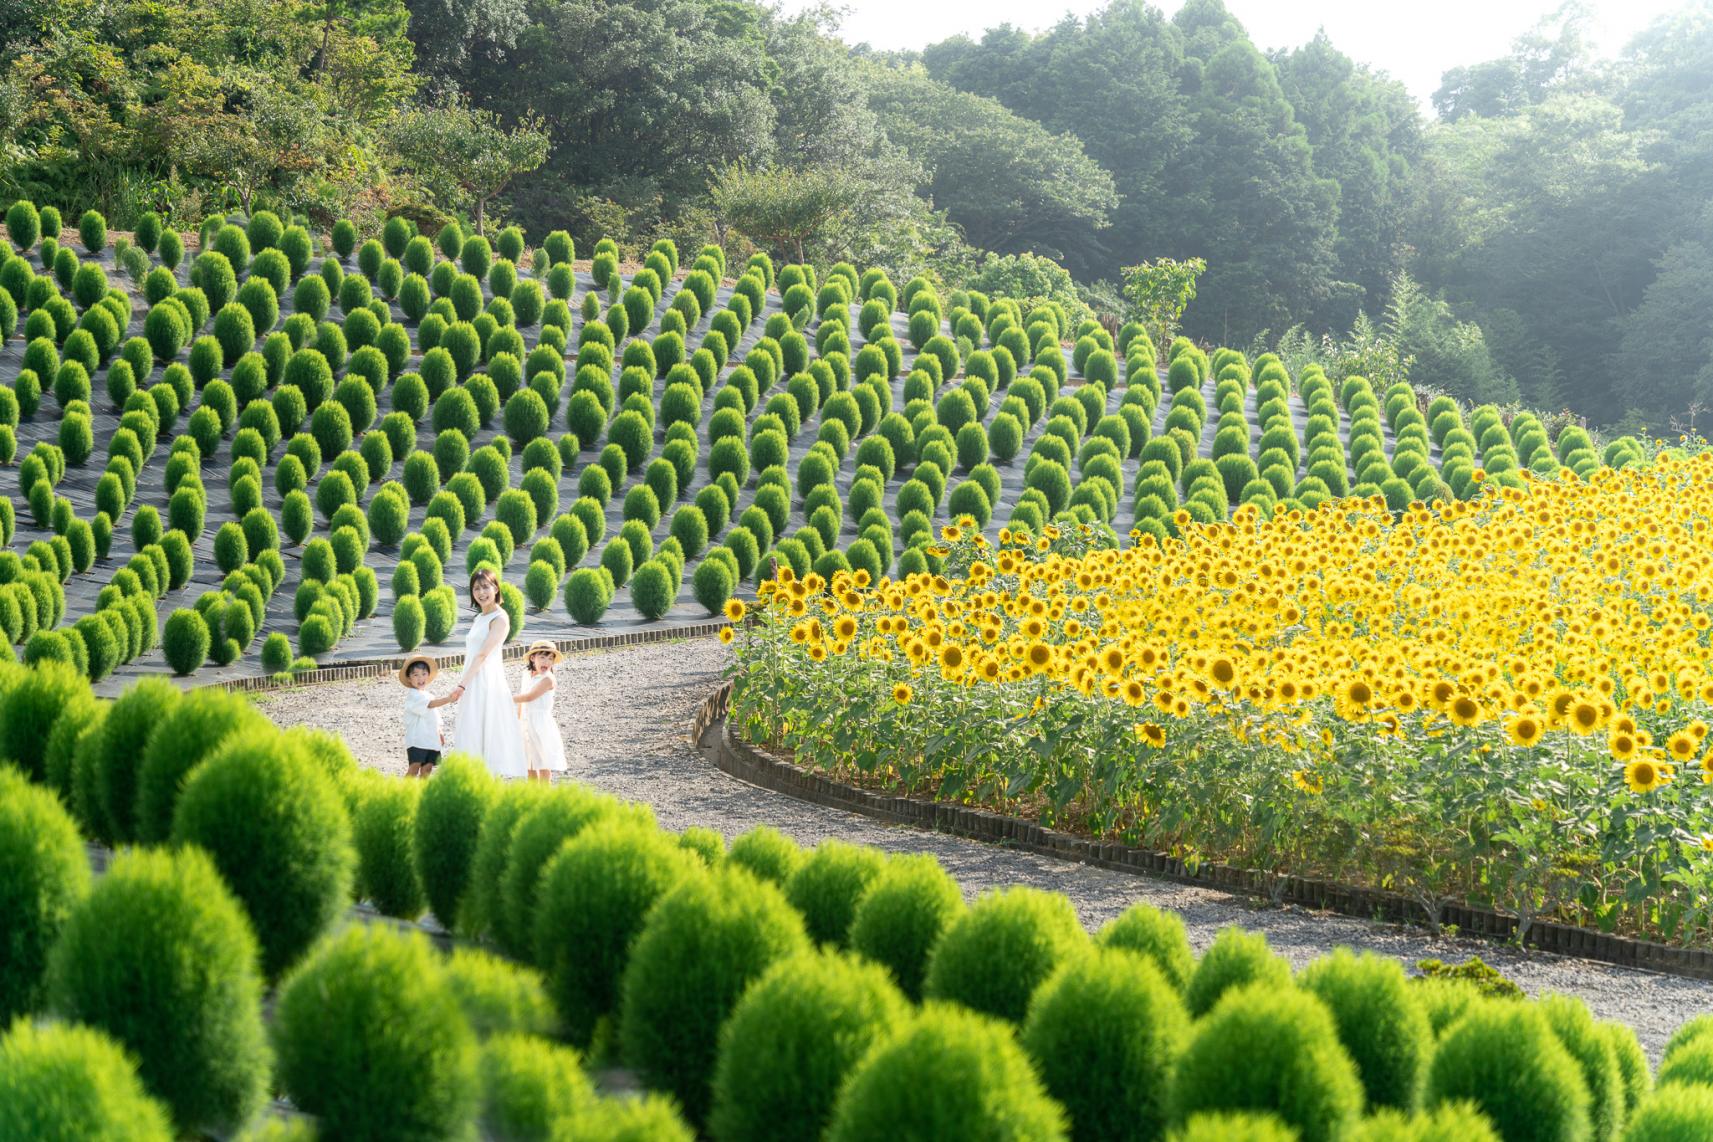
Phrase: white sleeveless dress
x=542 y=746
x=487 y=725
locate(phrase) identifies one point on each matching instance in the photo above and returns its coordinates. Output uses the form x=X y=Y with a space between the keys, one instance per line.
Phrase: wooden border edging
x=376 y=667
x=742 y=761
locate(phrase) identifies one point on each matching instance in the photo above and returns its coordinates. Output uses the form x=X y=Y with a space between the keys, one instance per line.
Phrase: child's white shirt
x=421 y=724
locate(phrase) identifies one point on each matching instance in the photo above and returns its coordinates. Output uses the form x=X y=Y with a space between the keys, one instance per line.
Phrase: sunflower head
x=902 y=693
x=735 y=610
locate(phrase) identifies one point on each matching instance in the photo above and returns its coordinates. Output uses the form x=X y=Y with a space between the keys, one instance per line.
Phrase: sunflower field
x=1503 y=699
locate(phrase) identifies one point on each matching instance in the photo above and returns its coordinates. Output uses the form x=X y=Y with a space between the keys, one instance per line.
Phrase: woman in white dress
x=543 y=750
x=487 y=724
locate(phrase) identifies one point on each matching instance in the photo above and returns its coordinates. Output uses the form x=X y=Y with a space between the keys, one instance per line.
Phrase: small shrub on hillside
x=1275 y=1049
x=901 y=915
x=555 y=818
x=793 y=1038
x=445 y=831
x=1581 y=1036
x=1505 y=1059
x=701 y=946
x=117 y=752
x=372 y=1041
x=160 y=957
x=767 y=853
x=497 y=996
x=593 y=898
x=381 y=825
x=478 y=911
x=1673 y=1114
x=65 y=1082
x=827 y=885
x=993 y=957
x=653 y=589
x=44 y=875
x=1157 y=934
x=950 y=1074
x=195 y=727
x=588 y=592
x=1105 y=1031
x=529 y=1086
x=29 y=707
x=278 y=831
x=1379 y=1021
x=1236 y=958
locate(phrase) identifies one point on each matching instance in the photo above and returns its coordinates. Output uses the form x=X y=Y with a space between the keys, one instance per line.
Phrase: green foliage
x=529 y=1085
x=44 y=875
x=1156 y=934
x=827 y=885
x=65 y=1082
x=700 y=947
x=1105 y=1031
x=1379 y=1022
x=593 y=898
x=1505 y=1059
x=993 y=957
x=1236 y=958
x=950 y=1074
x=791 y=1041
x=159 y=956
x=381 y=830
x=195 y=727
x=276 y=827
x=372 y=1041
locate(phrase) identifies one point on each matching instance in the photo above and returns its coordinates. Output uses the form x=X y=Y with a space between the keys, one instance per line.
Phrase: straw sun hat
x=404 y=671
x=542 y=646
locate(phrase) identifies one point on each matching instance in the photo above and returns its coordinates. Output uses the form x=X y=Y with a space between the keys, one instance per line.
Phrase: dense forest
x=1544 y=237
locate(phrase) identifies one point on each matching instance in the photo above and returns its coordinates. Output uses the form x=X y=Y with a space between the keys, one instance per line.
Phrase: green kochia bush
x=372 y=1041
x=1505 y=1058
x=381 y=830
x=65 y=1082
x=29 y=706
x=1105 y=1031
x=197 y=725
x=1157 y=934
x=480 y=908
x=699 y=949
x=1270 y=1048
x=529 y=1085
x=902 y=913
x=951 y=1074
x=1671 y=1114
x=1236 y=958
x=446 y=829
x=554 y=819
x=767 y=853
x=160 y=957
x=825 y=888
x=593 y=898
x=792 y=1040
x=1379 y=1021
x=116 y=753
x=277 y=829
x=44 y=874
x=993 y=957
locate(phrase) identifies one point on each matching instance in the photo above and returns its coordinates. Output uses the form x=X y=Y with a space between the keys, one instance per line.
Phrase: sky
x=1413 y=42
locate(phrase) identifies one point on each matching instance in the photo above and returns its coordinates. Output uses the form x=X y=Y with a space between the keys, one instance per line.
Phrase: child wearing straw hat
x=423 y=739
x=543 y=751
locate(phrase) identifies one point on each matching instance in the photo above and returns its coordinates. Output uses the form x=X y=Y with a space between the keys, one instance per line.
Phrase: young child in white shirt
x=423 y=738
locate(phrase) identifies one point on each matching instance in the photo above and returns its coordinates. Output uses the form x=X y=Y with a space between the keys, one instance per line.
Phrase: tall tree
x=468 y=156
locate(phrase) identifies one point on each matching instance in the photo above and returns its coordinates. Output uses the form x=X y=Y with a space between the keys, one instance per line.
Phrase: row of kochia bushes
x=763 y=991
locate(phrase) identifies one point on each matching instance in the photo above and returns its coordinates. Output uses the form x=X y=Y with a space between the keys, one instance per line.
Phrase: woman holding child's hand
x=488 y=726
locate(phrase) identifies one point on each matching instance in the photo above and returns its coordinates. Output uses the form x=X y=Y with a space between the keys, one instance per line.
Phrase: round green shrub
x=1270 y=1049
x=950 y=1074
x=554 y=819
x=447 y=826
x=588 y=591
x=29 y=706
x=1235 y=958
x=277 y=829
x=767 y=853
x=1504 y=1058
x=1682 y=1113
x=381 y=829
x=653 y=589
x=1105 y=1031
x=1577 y=1032
x=700 y=947
x=44 y=875
x=900 y=916
x=160 y=957
x=529 y=1086
x=1156 y=934
x=713 y=584
x=827 y=885
x=1379 y=1021
x=194 y=728
x=993 y=957
x=371 y=1039
x=594 y=896
x=409 y=620
x=793 y=1038
x=110 y=763
x=65 y=1082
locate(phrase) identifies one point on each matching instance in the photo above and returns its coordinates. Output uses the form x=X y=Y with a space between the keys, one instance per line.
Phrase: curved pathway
x=625 y=716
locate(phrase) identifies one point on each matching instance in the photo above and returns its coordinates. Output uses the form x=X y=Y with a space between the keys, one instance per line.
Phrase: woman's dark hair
x=487 y=574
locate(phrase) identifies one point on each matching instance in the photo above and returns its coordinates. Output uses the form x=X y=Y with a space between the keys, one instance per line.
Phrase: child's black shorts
x=417 y=755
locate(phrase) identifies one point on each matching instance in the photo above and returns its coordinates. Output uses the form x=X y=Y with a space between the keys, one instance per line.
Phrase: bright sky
x=1414 y=42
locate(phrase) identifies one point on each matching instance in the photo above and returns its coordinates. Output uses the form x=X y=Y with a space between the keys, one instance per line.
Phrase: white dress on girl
x=487 y=724
x=542 y=747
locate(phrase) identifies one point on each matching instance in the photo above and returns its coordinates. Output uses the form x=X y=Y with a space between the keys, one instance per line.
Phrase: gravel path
x=625 y=715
